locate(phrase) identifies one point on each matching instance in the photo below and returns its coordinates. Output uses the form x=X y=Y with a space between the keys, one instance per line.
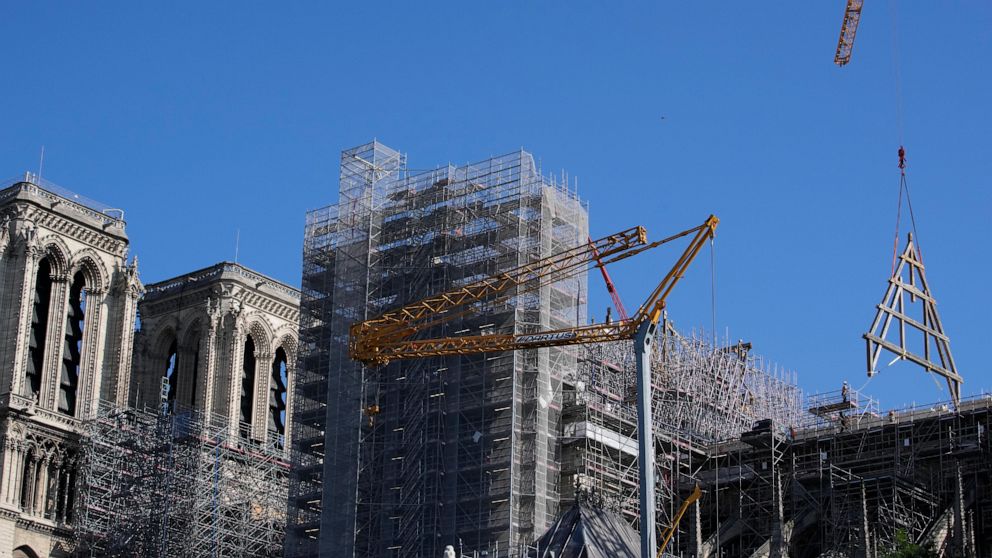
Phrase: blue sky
x=200 y=119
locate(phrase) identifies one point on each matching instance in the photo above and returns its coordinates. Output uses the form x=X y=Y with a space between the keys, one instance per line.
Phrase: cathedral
x=220 y=341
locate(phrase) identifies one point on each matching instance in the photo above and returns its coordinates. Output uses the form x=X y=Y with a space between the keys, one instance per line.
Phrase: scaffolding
x=701 y=394
x=825 y=476
x=847 y=481
x=430 y=451
x=176 y=485
x=828 y=475
x=481 y=452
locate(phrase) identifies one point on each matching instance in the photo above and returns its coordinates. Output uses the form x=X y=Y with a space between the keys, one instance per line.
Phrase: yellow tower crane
x=848 y=29
x=399 y=333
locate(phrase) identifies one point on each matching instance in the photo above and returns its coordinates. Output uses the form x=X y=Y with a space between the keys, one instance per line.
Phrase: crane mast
x=393 y=335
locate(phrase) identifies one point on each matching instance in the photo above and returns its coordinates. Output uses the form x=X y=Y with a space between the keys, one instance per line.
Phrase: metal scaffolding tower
x=177 y=485
x=432 y=451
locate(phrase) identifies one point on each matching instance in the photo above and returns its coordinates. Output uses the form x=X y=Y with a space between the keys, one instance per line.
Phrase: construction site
x=176 y=485
x=703 y=394
x=450 y=391
x=457 y=400
x=781 y=474
x=464 y=399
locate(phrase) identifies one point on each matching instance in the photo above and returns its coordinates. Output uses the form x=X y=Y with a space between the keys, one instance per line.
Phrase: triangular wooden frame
x=910 y=280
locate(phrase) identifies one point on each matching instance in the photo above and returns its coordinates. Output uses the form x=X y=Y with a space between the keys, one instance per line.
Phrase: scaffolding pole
x=177 y=485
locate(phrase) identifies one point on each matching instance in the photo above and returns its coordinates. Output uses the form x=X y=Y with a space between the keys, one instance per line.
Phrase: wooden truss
x=909 y=279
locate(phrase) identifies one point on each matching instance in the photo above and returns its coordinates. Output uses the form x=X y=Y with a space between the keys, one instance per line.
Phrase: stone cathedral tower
x=225 y=337
x=216 y=350
x=67 y=315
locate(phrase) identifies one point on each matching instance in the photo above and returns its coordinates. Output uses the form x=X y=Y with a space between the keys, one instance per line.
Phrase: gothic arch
x=191 y=348
x=24 y=551
x=57 y=252
x=162 y=341
x=159 y=361
x=193 y=319
x=80 y=326
x=261 y=334
x=33 y=447
x=192 y=330
x=42 y=446
x=97 y=277
x=288 y=343
x=254 y=346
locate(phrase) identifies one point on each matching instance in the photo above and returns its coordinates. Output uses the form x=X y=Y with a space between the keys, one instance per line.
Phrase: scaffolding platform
x=177 y=485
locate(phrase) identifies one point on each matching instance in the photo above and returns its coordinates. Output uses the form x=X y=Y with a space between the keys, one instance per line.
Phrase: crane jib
x=545 y=337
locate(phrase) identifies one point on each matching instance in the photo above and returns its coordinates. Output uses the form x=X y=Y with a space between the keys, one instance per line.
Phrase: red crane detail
x=610 y=287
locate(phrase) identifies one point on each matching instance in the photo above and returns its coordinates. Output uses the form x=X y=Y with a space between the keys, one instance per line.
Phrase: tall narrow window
x=277 y=393
x=74 y=322
x=248 y=382
x=27 y=481
x=39 y=328
x=194 y=372
x=171 y=372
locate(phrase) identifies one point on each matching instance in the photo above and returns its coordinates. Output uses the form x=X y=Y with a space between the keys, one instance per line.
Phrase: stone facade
x=41 y=231
x=67 y=311
x=68 y=306
x=229 y=337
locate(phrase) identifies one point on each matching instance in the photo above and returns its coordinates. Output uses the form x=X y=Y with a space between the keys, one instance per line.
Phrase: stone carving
x=4 y=232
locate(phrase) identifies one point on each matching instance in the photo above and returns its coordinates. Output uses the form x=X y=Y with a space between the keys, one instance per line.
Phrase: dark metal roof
x=584 y=531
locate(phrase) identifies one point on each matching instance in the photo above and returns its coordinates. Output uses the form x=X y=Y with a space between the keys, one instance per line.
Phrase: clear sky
x=203 y=118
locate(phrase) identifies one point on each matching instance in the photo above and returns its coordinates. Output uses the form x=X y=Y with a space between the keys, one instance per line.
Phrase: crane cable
x=896 y=68
x=903 y=185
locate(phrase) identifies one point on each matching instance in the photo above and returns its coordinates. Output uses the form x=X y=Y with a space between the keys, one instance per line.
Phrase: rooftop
x=35 y=185
x=216 y=272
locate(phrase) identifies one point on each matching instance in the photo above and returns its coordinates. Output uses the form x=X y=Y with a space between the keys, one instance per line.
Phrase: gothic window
x=27 y=482
x=32 y=487
x=39 y=328
x=194 y=372
x=248 y=383
x=67 y=495
x=171 y=372
x=75 y=320
x=62 y=498
x=48 y=483
x=277 y=393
